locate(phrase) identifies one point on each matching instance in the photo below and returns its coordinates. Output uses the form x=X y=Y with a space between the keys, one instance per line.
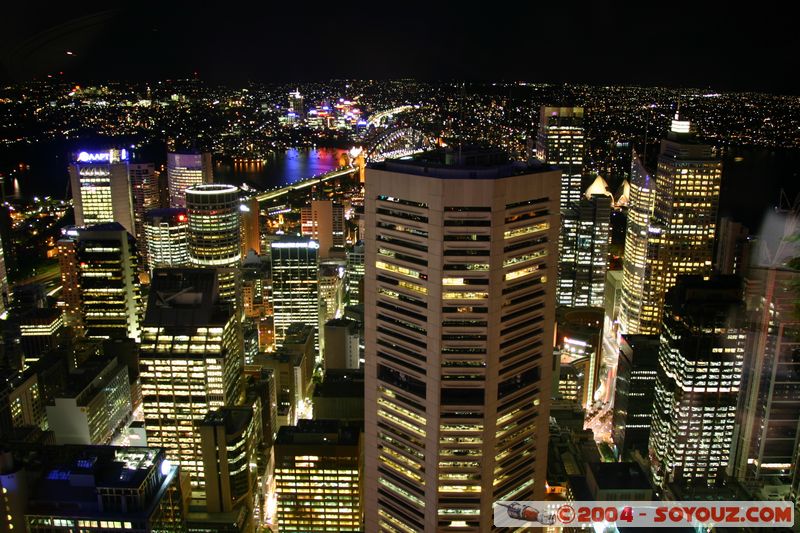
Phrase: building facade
x=634 y=394
x=318 y=478
x=697 y=383
x=101 y=189
x=186 y=170
x=560 y=142
x=187 y=328
x=167 y=238
x=680 y=235
x=459 y=301
x=295 y=283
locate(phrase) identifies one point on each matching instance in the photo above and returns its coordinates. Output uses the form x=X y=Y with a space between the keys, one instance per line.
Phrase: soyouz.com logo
x=644 y=514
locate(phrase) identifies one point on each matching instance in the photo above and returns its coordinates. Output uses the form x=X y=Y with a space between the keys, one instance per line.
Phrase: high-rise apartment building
x=697 y=382
x=295 y=289
x=585 y=236
x=215 y=234
x=190 y=362
x=679 y=237
x=560 y=142
x=101 y=189
x=459 y=307
x=323 y=221
x=167 y=238
x=101 y=286
x=186 y=170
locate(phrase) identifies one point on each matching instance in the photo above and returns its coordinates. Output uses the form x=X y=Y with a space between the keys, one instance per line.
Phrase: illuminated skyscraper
x=697 y=382
x=637 y=264
x=184 y=171
x=215 y=233
x=190 y=362
x=144 y=186
x=769 y=406
x=297 y=108
x=680 y=235
x=318 y=479
x=560 y=142
x=295 y=289
x=459 y=308
x=229 y=443
x=585 y=235
x=323 y=221
x=101 y=286
x=101 y=189
x=167 y=237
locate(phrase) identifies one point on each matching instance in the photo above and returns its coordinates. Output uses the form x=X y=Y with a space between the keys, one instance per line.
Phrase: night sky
x=689 y=44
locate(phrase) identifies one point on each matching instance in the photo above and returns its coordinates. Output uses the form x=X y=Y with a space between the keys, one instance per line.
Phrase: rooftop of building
x=341 y=383
x=318 y=432
x=462 y=163
x=41 y=316
x=72 y=475
x=235 y=419
x=619 y=476
x=185 y=298
x=166 y=213
x=341 y=323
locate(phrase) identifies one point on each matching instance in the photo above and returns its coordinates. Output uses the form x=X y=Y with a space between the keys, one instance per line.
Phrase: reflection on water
x=279 y=168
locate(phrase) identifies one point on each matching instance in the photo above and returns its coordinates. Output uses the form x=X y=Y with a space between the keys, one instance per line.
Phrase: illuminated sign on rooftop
x=111 y=156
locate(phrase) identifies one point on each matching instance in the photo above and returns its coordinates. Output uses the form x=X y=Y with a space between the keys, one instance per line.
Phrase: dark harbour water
x=44 y=168
x=752 y=178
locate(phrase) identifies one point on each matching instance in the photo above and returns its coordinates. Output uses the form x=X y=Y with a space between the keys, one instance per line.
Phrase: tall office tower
x=769 y=405
x=459 y=311
x=229 y=440
x=323 y=221
x=144 y=186
x=633 y=394
x=184 y=171
x=317 y=477
x=697 y=382
x=296 y=104
x=560 y=142
x=295 y=270
x=579 y=338
x=251 y=227
x=215 y=233
x=190 y=362
x=4 y=294
x=585 y=236
x=680 y=235
x=101 y=287
x=166 y=233
x=101 y=189
x=637 y=265
x=733 y=248
x=355 y=274
x=70 y=298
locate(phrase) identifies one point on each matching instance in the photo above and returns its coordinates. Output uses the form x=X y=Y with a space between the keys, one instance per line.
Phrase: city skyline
x=236 y=299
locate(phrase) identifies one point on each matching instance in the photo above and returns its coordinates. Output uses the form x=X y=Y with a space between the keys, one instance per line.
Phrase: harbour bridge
x=392 y=143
